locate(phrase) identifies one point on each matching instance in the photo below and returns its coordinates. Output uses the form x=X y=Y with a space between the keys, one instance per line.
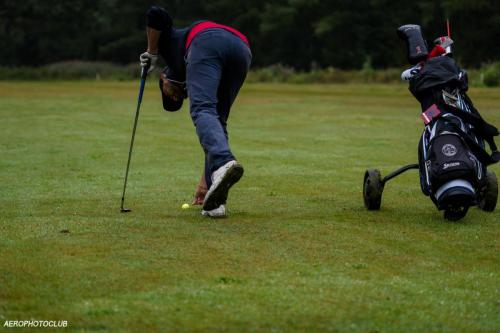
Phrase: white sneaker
x=217 y=212
x=222 y=180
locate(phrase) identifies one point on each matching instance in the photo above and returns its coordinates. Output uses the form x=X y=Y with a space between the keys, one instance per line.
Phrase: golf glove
x=150 y=58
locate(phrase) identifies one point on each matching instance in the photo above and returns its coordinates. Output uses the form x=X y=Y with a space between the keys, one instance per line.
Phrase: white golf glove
x=150 y=58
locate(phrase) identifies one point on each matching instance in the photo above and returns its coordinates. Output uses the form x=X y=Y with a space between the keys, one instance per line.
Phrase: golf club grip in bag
x=416 y=47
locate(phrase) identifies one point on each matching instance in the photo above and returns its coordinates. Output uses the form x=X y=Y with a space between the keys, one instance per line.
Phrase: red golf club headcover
x=436 y=52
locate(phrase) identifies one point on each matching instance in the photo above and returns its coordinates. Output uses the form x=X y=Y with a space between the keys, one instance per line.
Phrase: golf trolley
x=452 y=156
x=486 y=198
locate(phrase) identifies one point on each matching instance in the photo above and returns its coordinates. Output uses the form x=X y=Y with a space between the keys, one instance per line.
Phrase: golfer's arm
x=153 y=38
x=203 y=182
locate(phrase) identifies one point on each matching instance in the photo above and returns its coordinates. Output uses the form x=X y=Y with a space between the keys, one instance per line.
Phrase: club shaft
x=139 y=100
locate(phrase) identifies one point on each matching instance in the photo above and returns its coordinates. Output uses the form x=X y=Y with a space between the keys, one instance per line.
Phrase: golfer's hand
x=150 y=58
x=199 y=195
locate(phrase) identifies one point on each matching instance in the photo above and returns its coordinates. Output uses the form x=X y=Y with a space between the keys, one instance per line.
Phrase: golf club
x=144 y=74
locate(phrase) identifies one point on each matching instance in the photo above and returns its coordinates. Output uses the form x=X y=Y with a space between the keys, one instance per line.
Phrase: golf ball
x=185 y=206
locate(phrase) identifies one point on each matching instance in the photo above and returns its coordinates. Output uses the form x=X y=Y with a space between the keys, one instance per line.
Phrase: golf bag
x=450 y=172
x=452 y=155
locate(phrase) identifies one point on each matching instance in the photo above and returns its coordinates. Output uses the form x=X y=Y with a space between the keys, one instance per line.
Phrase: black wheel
x=456 y=213
x=489 y=193
x=372 y=189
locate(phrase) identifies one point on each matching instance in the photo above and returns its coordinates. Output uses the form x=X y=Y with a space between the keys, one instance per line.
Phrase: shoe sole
x=219 y=195
x=207 y=214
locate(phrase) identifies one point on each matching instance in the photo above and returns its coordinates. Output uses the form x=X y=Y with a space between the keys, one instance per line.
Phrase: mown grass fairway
x=299 y=251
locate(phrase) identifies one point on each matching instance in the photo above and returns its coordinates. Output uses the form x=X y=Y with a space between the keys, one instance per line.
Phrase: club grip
x=145 y=69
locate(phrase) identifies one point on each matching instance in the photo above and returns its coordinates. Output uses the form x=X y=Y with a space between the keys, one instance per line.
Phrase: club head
x=125 y=210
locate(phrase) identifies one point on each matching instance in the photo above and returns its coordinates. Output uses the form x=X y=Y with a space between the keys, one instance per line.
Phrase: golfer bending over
x=207 y=62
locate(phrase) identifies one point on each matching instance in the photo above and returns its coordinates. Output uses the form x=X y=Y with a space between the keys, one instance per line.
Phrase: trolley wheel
x=489 y=194
x=456 y=213
x=372 y=189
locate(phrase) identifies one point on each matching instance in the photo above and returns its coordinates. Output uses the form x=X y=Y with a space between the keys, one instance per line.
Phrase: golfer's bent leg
x=203 y=77
x=203 y=80
x=237 y=63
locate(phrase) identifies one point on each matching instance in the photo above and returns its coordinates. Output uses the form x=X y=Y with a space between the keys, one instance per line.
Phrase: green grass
x=299 y=251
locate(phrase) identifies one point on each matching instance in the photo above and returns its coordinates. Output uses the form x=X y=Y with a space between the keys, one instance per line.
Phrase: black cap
x=159 y=19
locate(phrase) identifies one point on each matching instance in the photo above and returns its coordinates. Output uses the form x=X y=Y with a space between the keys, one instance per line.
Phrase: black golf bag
x=452 y=156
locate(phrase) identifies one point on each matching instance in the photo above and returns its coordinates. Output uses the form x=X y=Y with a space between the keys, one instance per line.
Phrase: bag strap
x=481 y=127
x=481 y=154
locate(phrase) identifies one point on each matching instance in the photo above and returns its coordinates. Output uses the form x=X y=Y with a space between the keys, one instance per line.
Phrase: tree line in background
x=303 y=34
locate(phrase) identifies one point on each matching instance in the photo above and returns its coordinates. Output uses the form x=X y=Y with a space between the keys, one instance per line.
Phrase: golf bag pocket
x=450 y=159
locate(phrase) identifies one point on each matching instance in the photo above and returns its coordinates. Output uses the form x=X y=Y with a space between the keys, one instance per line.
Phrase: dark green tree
x=298 y=33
